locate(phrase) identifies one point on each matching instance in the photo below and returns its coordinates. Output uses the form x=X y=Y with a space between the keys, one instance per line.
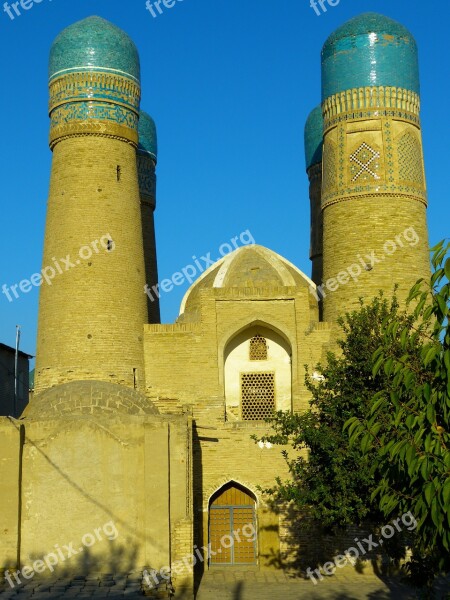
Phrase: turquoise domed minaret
x=373 y=183
x=97 y=309
x=313 y=155
x=147 y=155
x=94 y=78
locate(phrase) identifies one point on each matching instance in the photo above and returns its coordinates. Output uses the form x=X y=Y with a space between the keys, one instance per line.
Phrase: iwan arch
x=149 y=425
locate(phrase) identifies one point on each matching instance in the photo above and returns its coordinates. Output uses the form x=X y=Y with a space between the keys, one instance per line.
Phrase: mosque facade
x=152 y=429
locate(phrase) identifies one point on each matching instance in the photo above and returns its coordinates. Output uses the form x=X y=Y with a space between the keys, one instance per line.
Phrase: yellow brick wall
x=91 y=316
x=185 y=361
x=77 y=475
x=218 y=459
x=373 y=202
x=184 y=366
x=355 y=228
x=10 y=454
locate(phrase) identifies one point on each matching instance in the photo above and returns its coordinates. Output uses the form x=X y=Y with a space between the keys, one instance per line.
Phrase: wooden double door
x=232 y=528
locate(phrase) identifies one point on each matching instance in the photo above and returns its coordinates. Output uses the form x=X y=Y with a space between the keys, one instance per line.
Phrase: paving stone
x=224 y=585
x=250 y=587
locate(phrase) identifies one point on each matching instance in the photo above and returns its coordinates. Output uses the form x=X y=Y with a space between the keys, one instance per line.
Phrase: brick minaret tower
x=147 y=155
x=373 y=187
x=91 y=315
x=313 y=154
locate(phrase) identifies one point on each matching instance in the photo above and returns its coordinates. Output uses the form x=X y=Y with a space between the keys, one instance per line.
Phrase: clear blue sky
x=230 y=84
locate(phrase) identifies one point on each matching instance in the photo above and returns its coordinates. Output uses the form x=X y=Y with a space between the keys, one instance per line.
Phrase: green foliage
x=406 y=435
x=335 y=481
x=375 y=441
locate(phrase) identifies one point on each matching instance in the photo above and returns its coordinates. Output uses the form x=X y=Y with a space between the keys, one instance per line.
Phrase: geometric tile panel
x=410 y=159
x=329 y=165
x=364 y=164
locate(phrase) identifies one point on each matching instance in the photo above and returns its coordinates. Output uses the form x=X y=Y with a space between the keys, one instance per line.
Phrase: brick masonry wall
x=184 y=367
x=89 y=314
x=355 y=228
x=373 y=191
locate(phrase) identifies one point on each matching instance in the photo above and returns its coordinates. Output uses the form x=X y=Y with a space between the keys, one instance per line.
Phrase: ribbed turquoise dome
x=94 y=44
x=148 y=141
x=314 y=137
x=369 y=50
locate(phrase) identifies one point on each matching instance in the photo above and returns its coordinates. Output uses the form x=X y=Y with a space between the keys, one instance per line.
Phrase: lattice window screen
x=258 y=348
x=257 y=396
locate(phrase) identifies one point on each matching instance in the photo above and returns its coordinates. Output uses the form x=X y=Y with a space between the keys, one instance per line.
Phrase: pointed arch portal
x=232 y=526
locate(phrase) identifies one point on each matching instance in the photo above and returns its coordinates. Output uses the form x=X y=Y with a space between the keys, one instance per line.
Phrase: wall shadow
x=89 y=565
x=311 y=545
x=95 y=574
x=238 y=591
x=199 y=540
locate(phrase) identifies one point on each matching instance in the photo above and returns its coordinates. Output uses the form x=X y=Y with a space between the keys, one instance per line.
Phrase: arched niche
x=257 y=374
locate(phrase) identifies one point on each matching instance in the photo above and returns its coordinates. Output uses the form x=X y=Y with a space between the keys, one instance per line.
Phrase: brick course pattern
x=86 y=202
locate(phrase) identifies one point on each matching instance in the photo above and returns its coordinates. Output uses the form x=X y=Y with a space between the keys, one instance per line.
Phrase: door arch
x=232 y=526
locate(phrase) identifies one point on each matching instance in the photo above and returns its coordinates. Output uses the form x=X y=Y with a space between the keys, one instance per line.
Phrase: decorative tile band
x=315 y=172
x=97 y=69
x=147 y=178
x=95 y=117
x=372 y=114
x=92 y=128
x=376 y=197
x=94 y=102
x=378 y=157
x=371 y=102
x=91 y=85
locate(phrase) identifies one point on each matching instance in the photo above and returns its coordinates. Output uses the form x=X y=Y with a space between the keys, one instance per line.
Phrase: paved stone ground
x=223 y=585
x=90 y=586
x=220 y=585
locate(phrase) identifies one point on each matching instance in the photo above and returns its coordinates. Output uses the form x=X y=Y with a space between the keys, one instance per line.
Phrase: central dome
x=94 y=44
x=250 y=266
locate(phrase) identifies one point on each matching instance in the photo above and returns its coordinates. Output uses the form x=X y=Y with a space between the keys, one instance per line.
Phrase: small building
x=9 y=406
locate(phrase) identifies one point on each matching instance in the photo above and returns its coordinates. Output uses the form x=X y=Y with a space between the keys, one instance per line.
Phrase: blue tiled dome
x=314 y=137
x=369 y=50
x=94 y=44
x=148 y=141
